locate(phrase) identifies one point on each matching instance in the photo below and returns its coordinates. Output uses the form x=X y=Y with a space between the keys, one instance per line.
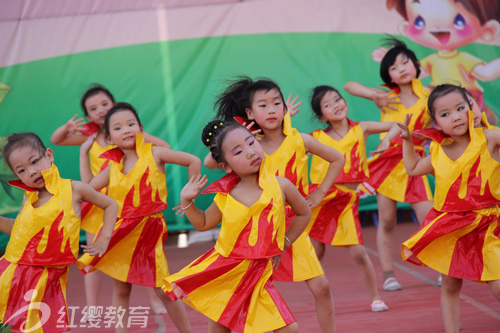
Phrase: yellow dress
x=135 y=252
x=387 y=171
x=335 y=221
x=300 y=262
x=93 y=216
x=459 y=236
x=231 y=284
x=34 y=269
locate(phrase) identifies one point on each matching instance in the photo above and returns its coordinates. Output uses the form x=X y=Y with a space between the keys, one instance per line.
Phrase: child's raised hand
x=85 y=147
x=378 y=54
x=74 y=126
x=292 y=106
x=405 y=131
x=383 y=100
x=253 y=131
x=98 y=247
x=190 y=192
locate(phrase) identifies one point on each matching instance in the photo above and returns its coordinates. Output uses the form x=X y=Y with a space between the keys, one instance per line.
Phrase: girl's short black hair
x=21 y=140
x=120 y=107
x=213 y=136
x=442 y=90
x=397 y=47
x=92 y=91
x=317 y=95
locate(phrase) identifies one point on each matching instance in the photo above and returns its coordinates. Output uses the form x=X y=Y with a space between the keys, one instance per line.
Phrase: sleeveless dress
x=34 y=269
x=300 y=262
x=460 y=235
x=231 y=284
x=335 y=221
x=387 y=171
x=135 y=252
x=93 y=216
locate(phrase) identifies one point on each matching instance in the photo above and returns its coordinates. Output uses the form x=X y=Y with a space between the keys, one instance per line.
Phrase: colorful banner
x=171 y=58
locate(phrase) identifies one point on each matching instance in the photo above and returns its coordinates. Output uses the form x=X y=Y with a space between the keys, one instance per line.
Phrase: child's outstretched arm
x=380 y=97
x=164 y=155
x=329 y=154
x=6 y=225
x=85 y=172
x=375 y=127
x=201 y=220
x=149 y=138
x=84 y=192
x=493 y=139
x=69 y=134
x=414 y=165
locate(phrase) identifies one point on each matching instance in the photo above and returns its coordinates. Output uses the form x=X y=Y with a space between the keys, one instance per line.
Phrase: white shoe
x=391 y=284
x=378 y=306
x=439 y=280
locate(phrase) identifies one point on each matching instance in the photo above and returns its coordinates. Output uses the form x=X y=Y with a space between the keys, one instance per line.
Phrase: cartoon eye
x=459 y=22
x=419 y=23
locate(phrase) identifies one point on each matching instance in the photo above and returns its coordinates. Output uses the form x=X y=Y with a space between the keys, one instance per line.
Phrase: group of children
x=274 y=223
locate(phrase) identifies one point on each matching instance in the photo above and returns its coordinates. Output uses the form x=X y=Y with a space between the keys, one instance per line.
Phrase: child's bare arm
x=69 y=134
x=164 y=155
x=300 y=207
x=6 y=225
x=380 y=97
x=414 y=164
x=149 y=138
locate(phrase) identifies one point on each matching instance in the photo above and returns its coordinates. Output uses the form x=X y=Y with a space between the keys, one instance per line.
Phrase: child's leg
x=92 y=282
x=215 y=327
x=156 y=302
x=176 y=311
x=387 y=219
x=360 y=256
x=121 y=298
x=421 y=209
x=495 y=288
x=450 y=311
x=325 y=310
x=319 y=247
x=292 y=328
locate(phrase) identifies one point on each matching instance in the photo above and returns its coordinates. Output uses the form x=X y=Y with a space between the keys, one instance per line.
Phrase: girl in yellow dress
x=286 y=151
x=459 y=237
x=231 y=284
x=44 y=238
x=335 y=221
x=399 y=70
x=95 y=103
x=136 y=253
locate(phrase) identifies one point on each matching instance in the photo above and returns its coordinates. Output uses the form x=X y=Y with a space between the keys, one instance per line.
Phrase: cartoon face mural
x=446 y=25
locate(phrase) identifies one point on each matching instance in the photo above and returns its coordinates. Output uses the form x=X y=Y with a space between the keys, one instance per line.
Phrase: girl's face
x=97 y=107
x=267 y=109
x=403 y=70
x=242 y=152
x=123 y=126
x=450 y=113
x=333 y=107
x=28 y=164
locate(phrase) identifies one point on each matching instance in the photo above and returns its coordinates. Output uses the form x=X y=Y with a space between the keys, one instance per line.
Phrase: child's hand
x=383 y=146
x=249 y=127
x=276 y=260
x=98 y=247
x=193 y=188
x=379 y=54
x=74 y=126
x=383 y=100
x=315 y=198
x=292 y=106
x=405 y=131
x=85 y=147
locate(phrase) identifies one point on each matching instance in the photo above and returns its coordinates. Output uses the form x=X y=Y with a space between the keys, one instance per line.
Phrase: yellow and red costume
x=93 y=216
x=300 y=261
x=460 y=235
x=231 y=284
x=387 y=172
x=335 y=221
x=135 y=252
x=34 y=269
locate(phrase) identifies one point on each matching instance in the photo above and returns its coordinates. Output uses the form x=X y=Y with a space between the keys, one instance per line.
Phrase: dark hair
x=121 y=106
x=21 y=140
x=213 y=136
x=92 y=91
x=397 y=47
x=442 y=90
x=239 y=94
x=317 y=95
x=483 y=10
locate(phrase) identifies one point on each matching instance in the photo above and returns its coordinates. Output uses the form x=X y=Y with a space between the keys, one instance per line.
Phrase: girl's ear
x=249 y=113
x=436 y=125
x=50 y=155
x=142 y=128
x=108 y=140
x=225 y=167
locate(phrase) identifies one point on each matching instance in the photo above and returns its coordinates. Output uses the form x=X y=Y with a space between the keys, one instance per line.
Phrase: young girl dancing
x=231 y=284
x=43 y=238
x=136 y=254
x=335 y=220
x=459 y=236
x=399 y=70
x=286 y=151
x=95 y=103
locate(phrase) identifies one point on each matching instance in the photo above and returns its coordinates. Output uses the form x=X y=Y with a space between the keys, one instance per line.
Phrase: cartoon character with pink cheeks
x=446 y=25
